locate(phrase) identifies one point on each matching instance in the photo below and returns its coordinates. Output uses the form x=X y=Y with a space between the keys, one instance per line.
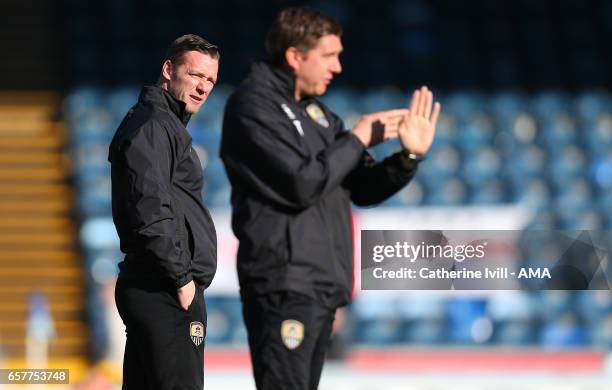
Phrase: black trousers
x=288 y=336
x=165 y=344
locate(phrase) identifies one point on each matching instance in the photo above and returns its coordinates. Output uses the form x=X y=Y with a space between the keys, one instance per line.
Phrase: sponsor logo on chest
x=293 y=118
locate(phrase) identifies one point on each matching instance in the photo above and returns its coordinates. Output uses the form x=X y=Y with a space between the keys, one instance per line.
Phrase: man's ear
x=293 y=58
x=167 y=70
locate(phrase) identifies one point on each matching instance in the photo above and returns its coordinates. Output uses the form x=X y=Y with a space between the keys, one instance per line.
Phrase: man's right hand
x=186 y=294
x=378 y=127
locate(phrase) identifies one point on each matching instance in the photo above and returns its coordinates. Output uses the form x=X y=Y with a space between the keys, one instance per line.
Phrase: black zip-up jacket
x=164 y=228
x=293 y=171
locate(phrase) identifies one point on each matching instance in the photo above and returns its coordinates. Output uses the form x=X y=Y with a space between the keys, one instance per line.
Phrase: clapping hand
x=418 y=125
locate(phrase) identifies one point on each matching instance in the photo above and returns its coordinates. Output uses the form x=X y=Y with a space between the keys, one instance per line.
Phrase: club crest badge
x=317 y=115
x=196 y=332
x=292 y=333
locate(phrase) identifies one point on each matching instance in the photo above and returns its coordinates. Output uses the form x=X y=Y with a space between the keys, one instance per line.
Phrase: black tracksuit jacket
x=164 y=228
x=294 y=171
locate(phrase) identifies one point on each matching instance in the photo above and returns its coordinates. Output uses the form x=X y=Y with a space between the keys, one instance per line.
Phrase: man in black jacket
x=166 y=232
x=294 y=171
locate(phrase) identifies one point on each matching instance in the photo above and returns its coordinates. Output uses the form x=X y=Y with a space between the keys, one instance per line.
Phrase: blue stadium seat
x=97 y=125
x=476 y=133
x=448 y=193
x=480 y=166
x=558 y=133
x=119 y=101
x=382 y=100
x=463 y=314
x=601 y=333
x=446 y=130
x=512 y=313
x=506 y=108
x=444 y=161
x=411 y=195
x=601 y=171
x=219 y=327
x=567 y=165
x=535 y=195
x=464 y=106
x=604 y=205
x=91 y=156
x=591 y=104
x=524 y=167
x=563 y=332
x=216 y=192
x=492 y=191
x=79 y=101
x=94 y=194
x=231 y=309
x=556 y=302
x=594 y=306
x=598 y=136
x=423 y=319
x=571 y=202
x=99 y=234
x=547 y=104
x=376 y=320
x=343 y=102
x=220 y=197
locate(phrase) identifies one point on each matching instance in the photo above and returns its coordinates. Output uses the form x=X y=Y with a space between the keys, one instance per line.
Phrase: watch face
x=411 y=160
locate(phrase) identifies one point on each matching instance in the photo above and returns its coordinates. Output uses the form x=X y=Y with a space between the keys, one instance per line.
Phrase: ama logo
x=539 y=273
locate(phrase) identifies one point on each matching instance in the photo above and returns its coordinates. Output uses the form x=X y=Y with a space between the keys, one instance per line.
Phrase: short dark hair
x=298 y=27
x=190 y=42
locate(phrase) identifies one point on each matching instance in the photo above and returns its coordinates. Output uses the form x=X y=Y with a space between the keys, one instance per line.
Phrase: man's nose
x=200 y=88
x=337 y=66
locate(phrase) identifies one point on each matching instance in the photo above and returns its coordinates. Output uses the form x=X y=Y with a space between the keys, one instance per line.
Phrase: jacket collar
x=165 y=100
x=279 y=78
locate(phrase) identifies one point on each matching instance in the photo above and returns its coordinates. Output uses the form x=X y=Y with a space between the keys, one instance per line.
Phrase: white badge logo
x=298 y=126
x=292 y=116
x=196 y=332
x=292 y=333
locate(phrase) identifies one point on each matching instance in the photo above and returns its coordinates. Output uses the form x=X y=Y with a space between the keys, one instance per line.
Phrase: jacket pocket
x=189 y=237
x=182 y=239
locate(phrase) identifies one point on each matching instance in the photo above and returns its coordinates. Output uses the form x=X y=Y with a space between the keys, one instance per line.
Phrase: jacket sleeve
x=261 y=150
x=374 y=181
x=152 y=210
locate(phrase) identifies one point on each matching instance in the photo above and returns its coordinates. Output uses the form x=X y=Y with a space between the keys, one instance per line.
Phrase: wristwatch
x=411 y=160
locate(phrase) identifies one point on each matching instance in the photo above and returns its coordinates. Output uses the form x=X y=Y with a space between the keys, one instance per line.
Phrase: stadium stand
x=41 y=284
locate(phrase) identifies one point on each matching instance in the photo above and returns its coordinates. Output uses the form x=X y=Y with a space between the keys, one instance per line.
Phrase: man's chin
x=321 y=91
x=317 y=92
x=192 y=109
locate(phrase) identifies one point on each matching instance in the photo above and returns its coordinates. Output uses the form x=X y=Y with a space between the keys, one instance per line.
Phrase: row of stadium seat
x=560 y=169
x=511 y=319
x=483 y=115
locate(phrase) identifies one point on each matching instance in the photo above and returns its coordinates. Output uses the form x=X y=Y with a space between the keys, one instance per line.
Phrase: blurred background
x=524 y=142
